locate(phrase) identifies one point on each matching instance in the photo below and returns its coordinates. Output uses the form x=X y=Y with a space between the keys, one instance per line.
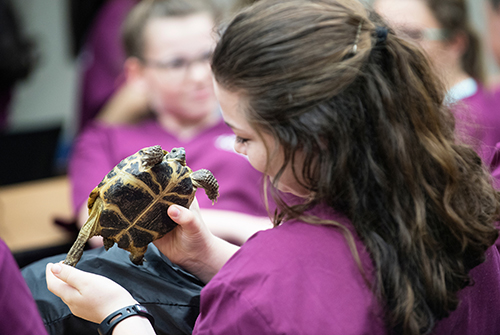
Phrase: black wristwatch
x=106 y=327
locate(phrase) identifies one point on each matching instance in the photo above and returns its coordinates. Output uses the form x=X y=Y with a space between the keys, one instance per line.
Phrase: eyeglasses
x=176 y=69
x=427 y=34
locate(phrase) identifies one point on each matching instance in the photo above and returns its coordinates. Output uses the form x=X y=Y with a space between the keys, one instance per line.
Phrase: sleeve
x=18 y=311
x=102 y=64
x=91 y=160
x=225 y=311
x=106 y=35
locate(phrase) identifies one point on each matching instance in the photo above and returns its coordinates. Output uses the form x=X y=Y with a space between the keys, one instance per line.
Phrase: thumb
x=57 y=276
x=68 y=274
x=182 y=216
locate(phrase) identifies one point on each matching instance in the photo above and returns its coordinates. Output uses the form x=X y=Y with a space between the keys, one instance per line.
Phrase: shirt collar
x=464 y=89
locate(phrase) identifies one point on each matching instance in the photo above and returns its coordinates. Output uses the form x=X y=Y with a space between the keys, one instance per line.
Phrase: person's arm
x=128 y=104
x=133 y=326
x=233 y=226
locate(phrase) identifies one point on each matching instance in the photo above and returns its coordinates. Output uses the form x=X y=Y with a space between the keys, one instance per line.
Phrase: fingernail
x=56 y=268
x=174 y=212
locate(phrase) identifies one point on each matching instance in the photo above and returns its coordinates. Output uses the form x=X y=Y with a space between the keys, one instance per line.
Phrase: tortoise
x=129 y=206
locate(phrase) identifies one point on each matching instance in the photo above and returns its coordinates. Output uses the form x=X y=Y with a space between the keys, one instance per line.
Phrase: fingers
x=89 y=296
x=57 y=285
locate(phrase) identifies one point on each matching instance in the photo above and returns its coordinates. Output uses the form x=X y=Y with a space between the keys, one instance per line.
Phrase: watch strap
x=106 y=326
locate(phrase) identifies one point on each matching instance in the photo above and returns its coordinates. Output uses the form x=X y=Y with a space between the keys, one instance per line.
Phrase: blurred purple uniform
x=18 y=311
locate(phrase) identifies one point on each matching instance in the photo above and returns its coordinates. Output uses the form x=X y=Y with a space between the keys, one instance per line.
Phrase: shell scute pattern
x=184 y=186
x=151 y=181
x=162 y=173
x=129 y=206
x=177 y=200
x=111 y=223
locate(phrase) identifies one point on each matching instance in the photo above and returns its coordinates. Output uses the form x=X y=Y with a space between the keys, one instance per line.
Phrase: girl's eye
x=241 y=139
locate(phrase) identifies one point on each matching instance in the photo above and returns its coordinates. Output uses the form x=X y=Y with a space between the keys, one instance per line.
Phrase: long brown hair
x=367 y=113
x=453 y=17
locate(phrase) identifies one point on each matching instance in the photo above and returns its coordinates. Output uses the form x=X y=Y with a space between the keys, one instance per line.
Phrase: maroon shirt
x=300 y=278
x=478 y=118
x=18 y=311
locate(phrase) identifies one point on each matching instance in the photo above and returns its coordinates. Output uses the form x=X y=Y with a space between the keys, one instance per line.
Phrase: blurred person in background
x=103 y=91
x=101 y=60
x=168 y=46
x=18 y=57
x=443 y=29
x=493 y=14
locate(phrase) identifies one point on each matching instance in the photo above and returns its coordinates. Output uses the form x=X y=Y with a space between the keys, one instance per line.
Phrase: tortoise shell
x=129 y=206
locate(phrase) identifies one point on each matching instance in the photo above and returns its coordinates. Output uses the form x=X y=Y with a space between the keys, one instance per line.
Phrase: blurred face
x=176 y=66
x=254 y=145
x=414 y=19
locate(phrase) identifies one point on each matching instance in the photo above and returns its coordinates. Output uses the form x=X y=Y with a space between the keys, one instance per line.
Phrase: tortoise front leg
x=151 y=156
x=206 y=180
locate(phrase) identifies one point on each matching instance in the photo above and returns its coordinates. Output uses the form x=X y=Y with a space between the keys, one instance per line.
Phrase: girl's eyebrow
x=239 y=130
x=230 y=125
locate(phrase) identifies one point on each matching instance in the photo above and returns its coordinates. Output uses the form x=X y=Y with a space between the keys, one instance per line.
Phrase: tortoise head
x=178 y=154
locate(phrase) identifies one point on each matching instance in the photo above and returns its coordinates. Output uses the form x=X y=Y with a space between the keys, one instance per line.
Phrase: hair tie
x=381 y=34
x=356 y=40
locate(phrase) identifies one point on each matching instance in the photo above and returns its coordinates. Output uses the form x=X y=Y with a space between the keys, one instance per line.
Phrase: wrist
x=121 y=315
x=217 y=253
x=134 y=325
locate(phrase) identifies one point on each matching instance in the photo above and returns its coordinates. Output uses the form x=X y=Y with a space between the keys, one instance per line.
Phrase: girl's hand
x=188 y=240
x=192 y=245
x=89 y=296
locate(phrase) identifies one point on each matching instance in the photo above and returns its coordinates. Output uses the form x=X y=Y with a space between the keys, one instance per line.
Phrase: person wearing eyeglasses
x=168 y=46
x=493 y=24
x=443 y=29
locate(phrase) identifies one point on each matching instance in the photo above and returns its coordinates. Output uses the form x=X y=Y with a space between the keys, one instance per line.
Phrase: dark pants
x=169 y=293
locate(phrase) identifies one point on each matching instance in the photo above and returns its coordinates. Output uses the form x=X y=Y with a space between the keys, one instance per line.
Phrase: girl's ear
x=133 y=69
x=459 y=44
